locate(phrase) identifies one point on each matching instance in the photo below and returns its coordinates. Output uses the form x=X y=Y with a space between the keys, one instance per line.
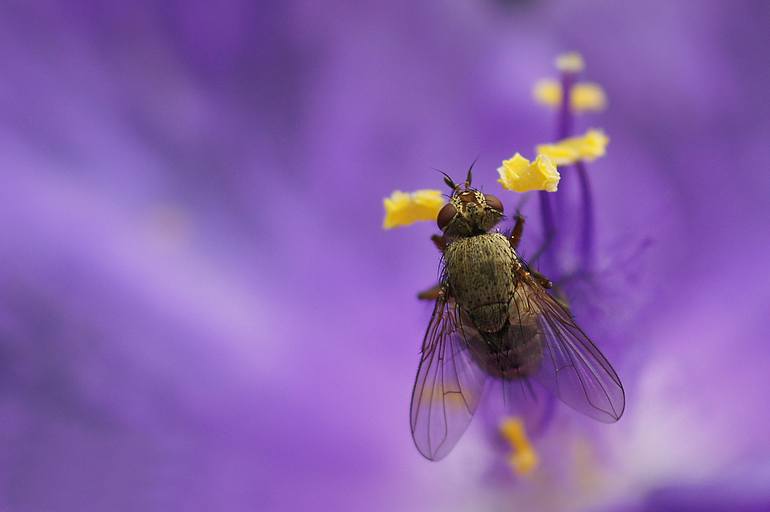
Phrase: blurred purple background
x=199 y=309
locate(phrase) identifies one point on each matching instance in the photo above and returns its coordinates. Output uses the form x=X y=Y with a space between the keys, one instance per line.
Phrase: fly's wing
x=572 y=368
x=449 y=384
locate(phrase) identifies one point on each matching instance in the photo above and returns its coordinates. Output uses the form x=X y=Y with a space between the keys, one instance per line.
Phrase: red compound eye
x=446 y=214
x=494 y=202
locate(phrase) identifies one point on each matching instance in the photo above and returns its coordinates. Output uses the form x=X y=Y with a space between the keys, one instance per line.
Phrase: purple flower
x=198 y=310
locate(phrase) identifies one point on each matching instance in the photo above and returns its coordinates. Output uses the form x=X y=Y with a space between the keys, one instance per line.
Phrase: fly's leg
x=515 y=239
x=439 y=241
x=541 y=279
x=557 y=292
x=433 y=292
x=518 y=230
x=543 y=247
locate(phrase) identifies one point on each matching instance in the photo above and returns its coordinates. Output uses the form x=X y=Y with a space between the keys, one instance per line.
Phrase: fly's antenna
x=449 y=181
x=469 y=178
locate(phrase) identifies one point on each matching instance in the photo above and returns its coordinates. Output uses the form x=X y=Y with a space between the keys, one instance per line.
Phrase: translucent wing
x=572 y=368
x=449 y=384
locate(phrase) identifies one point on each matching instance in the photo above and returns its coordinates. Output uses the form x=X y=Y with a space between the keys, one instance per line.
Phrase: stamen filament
x=549 y=232
x=564 y=129
x=586 y=244
x=565 y=122
x=587 y=232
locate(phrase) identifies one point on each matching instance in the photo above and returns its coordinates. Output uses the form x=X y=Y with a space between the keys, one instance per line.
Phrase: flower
x=588 y=147
x=584 y=96
x=403 y=209
x=263 y=360
x=519 y=175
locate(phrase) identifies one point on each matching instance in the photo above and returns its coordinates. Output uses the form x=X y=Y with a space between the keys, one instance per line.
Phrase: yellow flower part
x=587 y=96
x=589 y=147
x=584 y=96
x=519 y=175
x=523 y=458
x=571 y=62
x=547 y=92
x=403 y=209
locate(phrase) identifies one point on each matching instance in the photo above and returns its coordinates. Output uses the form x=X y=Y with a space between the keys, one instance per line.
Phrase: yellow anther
x=587 y=96
x=547 y=92
x=523 y=458
x=584 y=96
x=587 y=147
x=403 y=209
x=571 y=62
x=519 y=175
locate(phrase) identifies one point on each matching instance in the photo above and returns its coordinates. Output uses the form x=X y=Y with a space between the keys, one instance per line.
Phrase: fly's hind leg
x=432 y=293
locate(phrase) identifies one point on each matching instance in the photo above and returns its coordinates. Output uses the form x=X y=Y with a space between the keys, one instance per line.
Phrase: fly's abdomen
x=480 y=277
x=513 y=352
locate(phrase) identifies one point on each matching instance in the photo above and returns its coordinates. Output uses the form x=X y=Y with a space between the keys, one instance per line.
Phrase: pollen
x=571 y=62
x=523 y=458
x=520 y=175
x=584 y=96
x=403 y=209
x=587 y=147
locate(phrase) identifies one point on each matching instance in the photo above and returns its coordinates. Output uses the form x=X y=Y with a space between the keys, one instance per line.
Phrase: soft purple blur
x=199 y=309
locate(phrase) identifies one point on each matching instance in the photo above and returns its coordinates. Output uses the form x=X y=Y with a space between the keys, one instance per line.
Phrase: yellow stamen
x=524 y=459
x=571 y=62
x=519 y=175
x=588 y=147
x=403 y=209
x=587 y=96
x=584 y=96
x=547 y=92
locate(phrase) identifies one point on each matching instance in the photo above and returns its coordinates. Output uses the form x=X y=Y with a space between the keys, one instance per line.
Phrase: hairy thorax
x=481 y=278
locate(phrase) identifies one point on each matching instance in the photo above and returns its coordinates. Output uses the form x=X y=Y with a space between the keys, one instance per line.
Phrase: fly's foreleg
x=439 y=241
x=515 y=239
x=432 y=293
x=518 y=230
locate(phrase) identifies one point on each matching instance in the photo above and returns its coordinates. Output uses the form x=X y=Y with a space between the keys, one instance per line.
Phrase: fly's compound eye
x=446 y=214
x=494 y=202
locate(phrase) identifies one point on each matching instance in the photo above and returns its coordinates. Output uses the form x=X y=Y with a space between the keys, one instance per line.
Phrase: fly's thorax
x=480 y=275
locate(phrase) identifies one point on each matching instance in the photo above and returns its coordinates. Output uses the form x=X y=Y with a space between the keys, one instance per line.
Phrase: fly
x=494 y=318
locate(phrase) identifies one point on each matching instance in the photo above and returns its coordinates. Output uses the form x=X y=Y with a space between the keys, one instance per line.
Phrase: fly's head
x=469 y=211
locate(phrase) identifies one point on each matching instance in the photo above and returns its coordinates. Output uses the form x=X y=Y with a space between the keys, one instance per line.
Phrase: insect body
x=494 y=318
